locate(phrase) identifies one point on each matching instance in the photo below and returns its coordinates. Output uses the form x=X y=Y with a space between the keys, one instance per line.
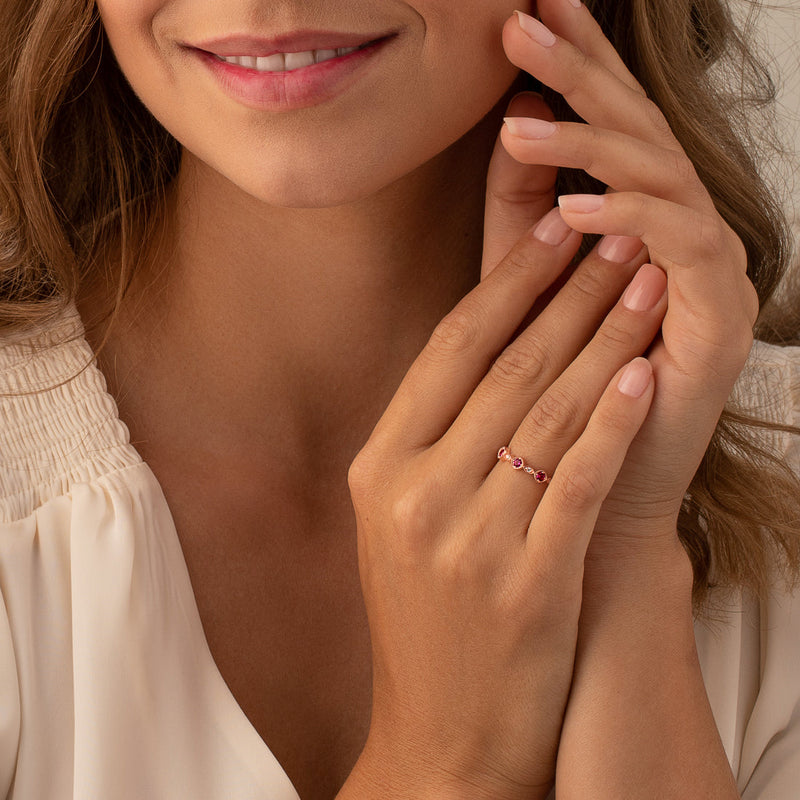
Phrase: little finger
x=560 y=531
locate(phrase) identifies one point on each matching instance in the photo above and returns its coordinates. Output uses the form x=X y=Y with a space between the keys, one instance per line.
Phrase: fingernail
x=552 y=229
x=538 y=32
x=619 y=248
x=635 y=378
x=581 y=203
x=575 y=3
x=530 y=127
x=646 y=289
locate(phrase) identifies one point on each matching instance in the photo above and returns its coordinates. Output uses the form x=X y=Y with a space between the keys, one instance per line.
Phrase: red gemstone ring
x=539 y=475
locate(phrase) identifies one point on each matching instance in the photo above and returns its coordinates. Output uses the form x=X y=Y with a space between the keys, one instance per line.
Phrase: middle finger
x=592 y=90
x=622 y=162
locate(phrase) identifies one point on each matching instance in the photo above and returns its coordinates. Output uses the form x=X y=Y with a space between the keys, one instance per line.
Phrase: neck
x=291 y=328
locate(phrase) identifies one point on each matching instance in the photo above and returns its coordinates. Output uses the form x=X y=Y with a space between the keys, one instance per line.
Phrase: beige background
x=780 y=26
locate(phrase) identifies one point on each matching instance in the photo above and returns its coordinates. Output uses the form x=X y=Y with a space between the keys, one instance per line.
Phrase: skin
x=484 y=620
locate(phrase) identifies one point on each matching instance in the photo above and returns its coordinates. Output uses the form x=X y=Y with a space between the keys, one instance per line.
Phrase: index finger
x=593 y=90
x=571 y=20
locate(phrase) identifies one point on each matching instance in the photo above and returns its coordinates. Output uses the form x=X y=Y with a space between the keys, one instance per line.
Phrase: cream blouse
x=108 y=690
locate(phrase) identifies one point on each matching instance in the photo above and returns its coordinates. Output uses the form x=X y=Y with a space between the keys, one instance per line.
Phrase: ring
x=539 y=475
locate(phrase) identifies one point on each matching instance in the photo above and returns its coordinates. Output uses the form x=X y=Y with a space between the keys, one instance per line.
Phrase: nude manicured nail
x=530 y=127
x=635 y=378
x=646 y=289
x=538 y=32
x=581 y=203
x=575 y=3
x=552 y=229
x=619 y=248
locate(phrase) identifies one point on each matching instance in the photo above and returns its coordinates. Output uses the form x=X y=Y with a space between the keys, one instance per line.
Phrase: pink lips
x=293 y=89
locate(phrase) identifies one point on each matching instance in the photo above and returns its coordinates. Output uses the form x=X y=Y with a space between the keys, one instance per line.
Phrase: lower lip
x=294 y=89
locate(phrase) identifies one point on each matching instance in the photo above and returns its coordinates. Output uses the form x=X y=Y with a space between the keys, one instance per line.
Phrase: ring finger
x=558 y=418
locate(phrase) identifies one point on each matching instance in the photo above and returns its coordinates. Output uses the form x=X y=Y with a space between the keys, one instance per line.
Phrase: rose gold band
x=539 y=475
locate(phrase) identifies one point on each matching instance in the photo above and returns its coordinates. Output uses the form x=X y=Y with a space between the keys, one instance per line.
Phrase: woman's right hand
x=471 y=570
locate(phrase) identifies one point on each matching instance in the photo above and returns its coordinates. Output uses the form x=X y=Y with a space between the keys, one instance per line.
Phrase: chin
x=312 y=183
x=311 y=191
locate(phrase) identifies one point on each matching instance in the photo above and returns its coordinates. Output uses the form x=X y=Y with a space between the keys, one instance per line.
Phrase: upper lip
x=297 y=42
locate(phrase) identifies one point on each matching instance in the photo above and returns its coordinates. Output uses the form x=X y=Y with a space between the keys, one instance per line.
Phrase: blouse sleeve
x=770 y=764
x=769 y=767
x=9 y=704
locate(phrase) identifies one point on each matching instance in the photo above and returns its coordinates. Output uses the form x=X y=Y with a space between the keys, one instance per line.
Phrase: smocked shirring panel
x=58 y=425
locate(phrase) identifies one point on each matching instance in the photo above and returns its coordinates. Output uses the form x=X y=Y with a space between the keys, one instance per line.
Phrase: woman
x=282 y=272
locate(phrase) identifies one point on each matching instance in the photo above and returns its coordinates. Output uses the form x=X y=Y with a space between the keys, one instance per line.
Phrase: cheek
x=463 y=55
x=119 y=16
x=129 y=29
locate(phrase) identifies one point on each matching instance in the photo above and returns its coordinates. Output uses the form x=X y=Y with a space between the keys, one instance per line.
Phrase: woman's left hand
x=638 y=722
x=655 y=195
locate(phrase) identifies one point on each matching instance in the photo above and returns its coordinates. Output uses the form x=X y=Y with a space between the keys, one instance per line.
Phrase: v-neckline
x=265 y=763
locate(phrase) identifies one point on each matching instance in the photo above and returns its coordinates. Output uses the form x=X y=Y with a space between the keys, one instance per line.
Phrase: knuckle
x=592 y=149
x=723 y=342
x=614 y=336
x=739 y=251
x=361 y=474
x=412 y=511
x=640 y=204
x=456 y=566
x=711 y=236
x=681 y=167
x=656 y=119
x=583 y=66
x=524 y=195
x=740 y=344
x=583 y=485
x=753 y=306
x=617 y=421
x=746 y=343
x=575 y=78
x=554 y=412
x=589 y=281
x=457 y=332
x=517 y=262
x=520 y=365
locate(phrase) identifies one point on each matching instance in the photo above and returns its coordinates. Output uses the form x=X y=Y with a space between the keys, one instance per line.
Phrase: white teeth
x=274 y=63
x=283 y=62
x=324 y=55
x=298 y=60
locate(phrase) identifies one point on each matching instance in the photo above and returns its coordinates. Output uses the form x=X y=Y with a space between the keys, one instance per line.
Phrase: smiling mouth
x=290 y=71
x=286 y=62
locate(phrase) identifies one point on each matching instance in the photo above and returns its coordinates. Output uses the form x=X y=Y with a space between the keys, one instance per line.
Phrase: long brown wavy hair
x=83 y=164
